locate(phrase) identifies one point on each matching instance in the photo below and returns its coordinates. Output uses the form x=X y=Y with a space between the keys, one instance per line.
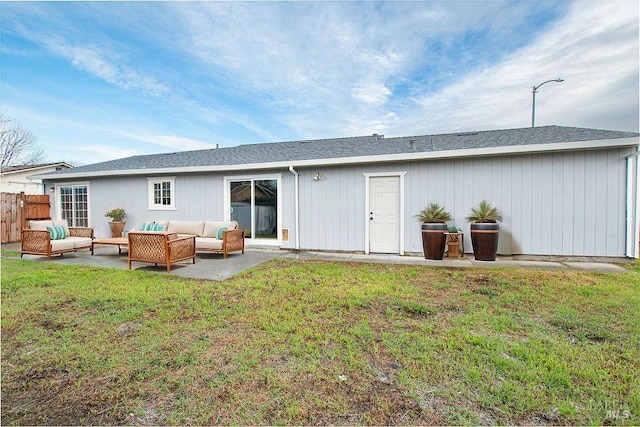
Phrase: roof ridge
x=293 y=141
x=475 y=132
x=352 y=147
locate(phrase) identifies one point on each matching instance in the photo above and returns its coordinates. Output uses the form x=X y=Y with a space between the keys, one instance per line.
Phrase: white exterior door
x=384 y=214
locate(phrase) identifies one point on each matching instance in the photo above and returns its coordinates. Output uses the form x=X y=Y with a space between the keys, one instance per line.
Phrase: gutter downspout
x=297 y=204
x=633 y=205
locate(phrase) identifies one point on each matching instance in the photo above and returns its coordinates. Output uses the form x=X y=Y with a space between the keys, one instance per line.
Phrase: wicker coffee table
x=119 y=241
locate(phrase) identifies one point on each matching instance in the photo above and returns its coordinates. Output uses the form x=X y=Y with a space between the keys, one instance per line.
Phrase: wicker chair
x=232 y=241
x=160 y=248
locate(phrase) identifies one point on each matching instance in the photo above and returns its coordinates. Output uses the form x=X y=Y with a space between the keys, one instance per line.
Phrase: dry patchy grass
x=299 y=342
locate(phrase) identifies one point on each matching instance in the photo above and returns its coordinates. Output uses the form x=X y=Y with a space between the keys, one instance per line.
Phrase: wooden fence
x=19 y=208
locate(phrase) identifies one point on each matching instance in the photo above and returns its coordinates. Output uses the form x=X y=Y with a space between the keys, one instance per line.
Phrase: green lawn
x=299 y=342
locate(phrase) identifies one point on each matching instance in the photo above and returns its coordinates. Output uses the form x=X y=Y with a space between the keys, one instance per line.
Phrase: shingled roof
x=23 y=168
x=322 y=151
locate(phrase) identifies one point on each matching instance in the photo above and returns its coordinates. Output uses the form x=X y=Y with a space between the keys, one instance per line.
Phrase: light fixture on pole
x=533 y=106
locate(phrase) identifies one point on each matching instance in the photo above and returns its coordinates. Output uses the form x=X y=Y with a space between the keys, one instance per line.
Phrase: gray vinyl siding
x=197 y=197
x=570 y=203
x=553 y=204
x=332 y=209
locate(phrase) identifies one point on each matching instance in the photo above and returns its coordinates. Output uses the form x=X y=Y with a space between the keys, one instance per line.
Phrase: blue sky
x=102 y=80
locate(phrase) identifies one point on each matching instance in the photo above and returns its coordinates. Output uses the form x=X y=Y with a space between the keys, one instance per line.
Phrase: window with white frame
x=162 y=193
x=73 y=203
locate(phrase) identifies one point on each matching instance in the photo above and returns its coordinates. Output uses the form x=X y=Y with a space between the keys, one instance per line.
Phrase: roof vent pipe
x=412 y=143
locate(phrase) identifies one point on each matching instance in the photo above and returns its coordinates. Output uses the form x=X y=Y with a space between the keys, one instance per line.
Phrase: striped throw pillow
x=220 y=232
x=57 y=232
x=158 y=227
x=148 y=226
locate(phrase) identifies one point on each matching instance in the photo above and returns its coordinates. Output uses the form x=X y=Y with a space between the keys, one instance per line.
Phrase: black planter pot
x=433 y=239
x=484 y=239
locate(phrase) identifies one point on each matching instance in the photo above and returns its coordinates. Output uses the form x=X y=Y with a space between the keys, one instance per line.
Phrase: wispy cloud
x=371 y=94
x=109 y=66
x=189 y=75
x=594 y=48
x=340 y=67
x=102 y=153
x=79 y=153
x=68 y=39
x=169 y=141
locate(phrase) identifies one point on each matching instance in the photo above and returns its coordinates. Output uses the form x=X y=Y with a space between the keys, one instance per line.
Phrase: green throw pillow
x=148 y=226
x=53 y=233
x=158 y=227
x=220 y=232
x=57 y=232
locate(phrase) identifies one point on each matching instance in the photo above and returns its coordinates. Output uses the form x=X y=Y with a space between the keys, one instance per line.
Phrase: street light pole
x=533 y=105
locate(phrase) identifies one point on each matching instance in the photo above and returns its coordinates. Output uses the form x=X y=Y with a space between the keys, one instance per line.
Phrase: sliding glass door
x=254 y=204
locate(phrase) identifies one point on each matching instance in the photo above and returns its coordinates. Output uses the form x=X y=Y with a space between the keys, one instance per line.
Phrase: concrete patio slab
x=210 y=266
x=542 y=265
x=503 y=261
x=467 y=261
x=596 y=266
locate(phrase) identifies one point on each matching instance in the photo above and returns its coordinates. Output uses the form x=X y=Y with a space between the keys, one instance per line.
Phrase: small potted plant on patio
x=117 y=221
x=433 y=219
x=484 y=231
x=453 y=241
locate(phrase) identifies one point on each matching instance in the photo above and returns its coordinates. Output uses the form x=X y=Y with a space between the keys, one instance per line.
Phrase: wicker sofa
x=160 y=247
x=221 y=237
x=36 y=240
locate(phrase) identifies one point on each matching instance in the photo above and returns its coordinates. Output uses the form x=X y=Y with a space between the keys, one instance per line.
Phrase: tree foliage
x=18 y=145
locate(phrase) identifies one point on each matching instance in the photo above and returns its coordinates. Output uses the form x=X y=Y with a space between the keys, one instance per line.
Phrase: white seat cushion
x=208 y=243
x=193 y=228
x=79 y=242
x=40 y=225
x=63 y=245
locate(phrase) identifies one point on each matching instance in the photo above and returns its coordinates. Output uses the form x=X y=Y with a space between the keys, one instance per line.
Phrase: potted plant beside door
x=433 y=219
x=484 y=231
x=117 y=221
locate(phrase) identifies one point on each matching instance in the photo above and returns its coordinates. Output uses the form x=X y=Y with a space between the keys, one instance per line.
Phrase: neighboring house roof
x=362 y=149
x=34 y=168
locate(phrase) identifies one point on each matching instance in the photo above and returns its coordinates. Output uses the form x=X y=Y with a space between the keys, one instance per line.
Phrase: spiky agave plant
x=434 y=213
x=484 y=213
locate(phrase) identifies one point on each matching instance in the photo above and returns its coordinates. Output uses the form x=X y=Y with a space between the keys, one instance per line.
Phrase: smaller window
x=162 y=193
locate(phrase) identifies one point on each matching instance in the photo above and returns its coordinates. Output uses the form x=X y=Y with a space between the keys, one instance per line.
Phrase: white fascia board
x=410 y=156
